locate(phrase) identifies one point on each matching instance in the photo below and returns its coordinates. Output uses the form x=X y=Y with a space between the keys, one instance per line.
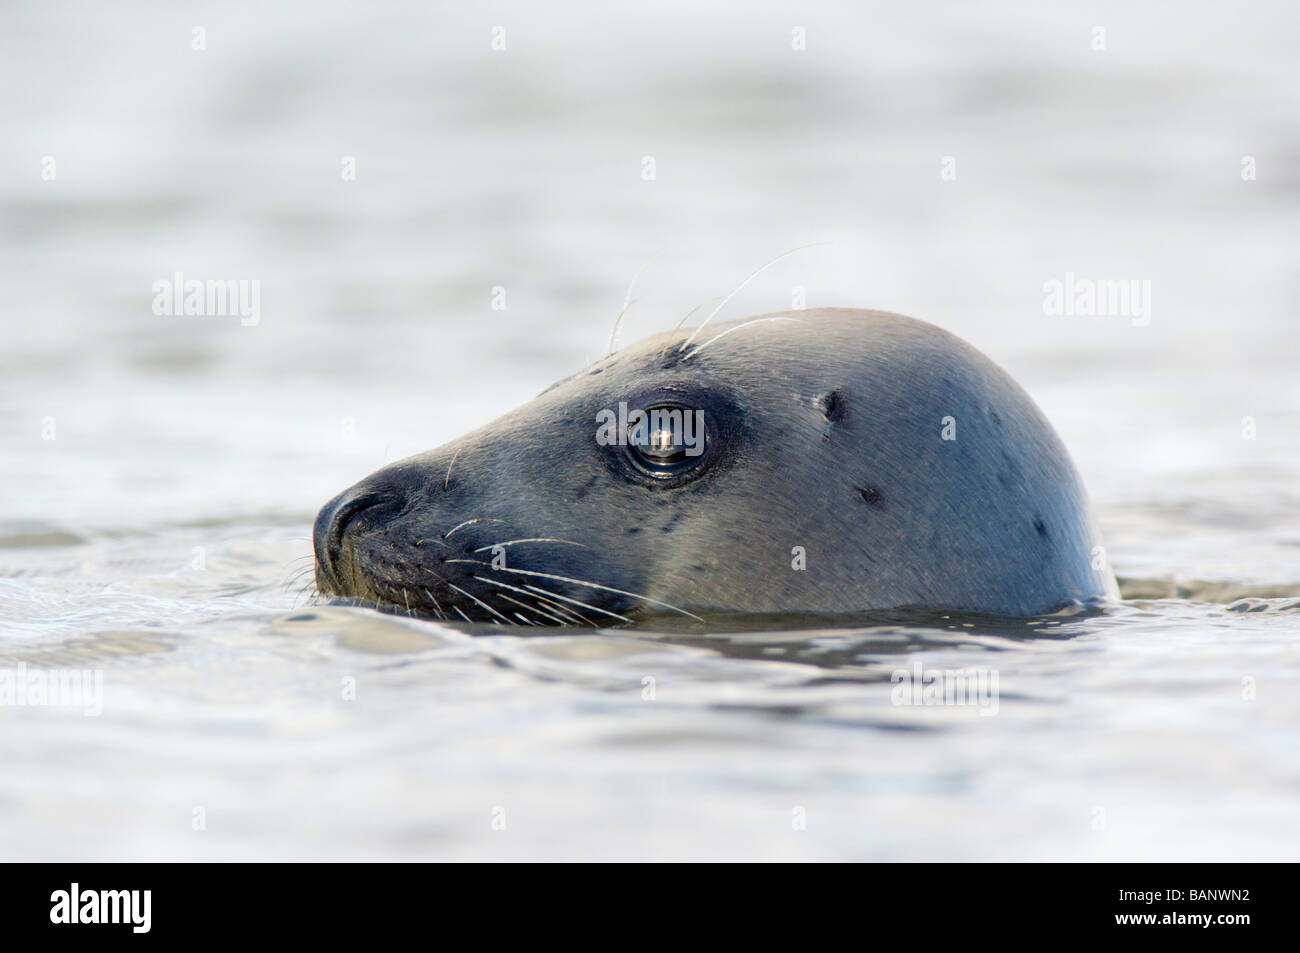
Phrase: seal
x=824 y=461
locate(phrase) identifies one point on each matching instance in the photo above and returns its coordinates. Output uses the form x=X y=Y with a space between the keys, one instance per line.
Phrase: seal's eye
x=665 y=440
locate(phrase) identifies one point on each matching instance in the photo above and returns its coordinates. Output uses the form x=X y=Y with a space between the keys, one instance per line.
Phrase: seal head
x=824 y=461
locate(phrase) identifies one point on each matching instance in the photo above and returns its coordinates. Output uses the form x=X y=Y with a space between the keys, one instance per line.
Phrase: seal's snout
x=329 y=532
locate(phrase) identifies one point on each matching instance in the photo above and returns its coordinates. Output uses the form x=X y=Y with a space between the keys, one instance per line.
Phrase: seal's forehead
x=824 y=337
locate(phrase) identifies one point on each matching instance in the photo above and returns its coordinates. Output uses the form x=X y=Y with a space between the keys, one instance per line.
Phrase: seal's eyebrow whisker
x=534 y=539
x=447 y=479
x=627 y=301
x=686 y=317
x=476 y=599
x=579 y=582
x=477 y=519
x=700 y=347
x=735 y=291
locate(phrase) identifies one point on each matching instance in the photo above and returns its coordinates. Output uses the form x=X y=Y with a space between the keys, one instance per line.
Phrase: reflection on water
x=159 y=475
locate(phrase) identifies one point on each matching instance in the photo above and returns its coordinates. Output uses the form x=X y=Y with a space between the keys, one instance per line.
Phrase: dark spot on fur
x=632 y=530
x=872 y=496
x=1012 y=474
x=582 y=491
x=1038 y=525
x=672 y=523
x=995 y=417
x=833 y=406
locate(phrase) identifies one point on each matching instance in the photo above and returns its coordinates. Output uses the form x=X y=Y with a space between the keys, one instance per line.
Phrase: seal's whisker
x=568 y=614
x=436 y=607
x=503 y=585
x=577 y=617
x=700 y=347
x=429 y=539
x=306 y=594
x=476 y=599
x=737 y=289
x=293 y=574
x=535 y=539
x=407 y=598
x=554 y=596
x=463 y=615
x=296 y=576
x=477 y=519
x=532 y=609
x=309 y=590
x=529 y=621
x=579 y=582
x=579 y=602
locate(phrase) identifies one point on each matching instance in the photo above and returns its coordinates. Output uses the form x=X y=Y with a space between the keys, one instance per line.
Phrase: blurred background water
x=159 y=474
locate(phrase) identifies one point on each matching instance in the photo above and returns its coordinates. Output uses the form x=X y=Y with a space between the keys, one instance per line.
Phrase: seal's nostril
x=345 y=515
x=331 y=524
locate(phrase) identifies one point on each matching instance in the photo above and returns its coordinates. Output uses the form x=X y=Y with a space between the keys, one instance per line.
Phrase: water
x=156 y=537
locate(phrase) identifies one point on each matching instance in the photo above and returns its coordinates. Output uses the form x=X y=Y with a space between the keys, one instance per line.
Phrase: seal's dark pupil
x=660 y=441
x=663 y=443
x=659 y=438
